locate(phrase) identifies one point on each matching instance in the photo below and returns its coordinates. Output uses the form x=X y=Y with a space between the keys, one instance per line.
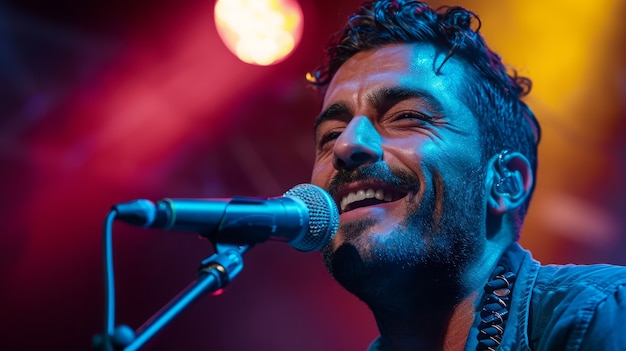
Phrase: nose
x=358 y=144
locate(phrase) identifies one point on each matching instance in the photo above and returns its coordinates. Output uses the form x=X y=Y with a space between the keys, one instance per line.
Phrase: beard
x=427 y=254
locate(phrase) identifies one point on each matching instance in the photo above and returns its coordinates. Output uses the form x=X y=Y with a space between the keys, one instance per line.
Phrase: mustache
x=378 y=171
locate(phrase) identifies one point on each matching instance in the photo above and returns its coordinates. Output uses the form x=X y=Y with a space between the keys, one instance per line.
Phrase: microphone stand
x=215 y=272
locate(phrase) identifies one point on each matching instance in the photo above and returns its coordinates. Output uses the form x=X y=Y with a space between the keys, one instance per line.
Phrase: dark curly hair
x=494 y=96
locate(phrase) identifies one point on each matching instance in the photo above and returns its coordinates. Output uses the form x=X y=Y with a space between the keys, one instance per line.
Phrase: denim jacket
x=560 y=307
x=570 y=307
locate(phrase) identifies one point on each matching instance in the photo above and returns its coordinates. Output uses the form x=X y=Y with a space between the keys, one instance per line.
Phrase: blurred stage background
x=109 y=101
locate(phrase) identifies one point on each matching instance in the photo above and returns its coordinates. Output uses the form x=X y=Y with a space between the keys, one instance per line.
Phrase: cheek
x=322 y=174
x=453 y=160
x=407 y=153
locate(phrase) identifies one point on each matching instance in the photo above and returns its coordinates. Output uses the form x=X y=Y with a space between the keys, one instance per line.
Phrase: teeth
x=380 y=195
x=362 y=195
x=351 y=198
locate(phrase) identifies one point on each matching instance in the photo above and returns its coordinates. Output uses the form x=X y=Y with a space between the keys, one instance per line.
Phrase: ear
x=510 y=181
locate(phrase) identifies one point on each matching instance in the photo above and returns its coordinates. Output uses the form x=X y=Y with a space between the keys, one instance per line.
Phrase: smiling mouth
x=368 y=197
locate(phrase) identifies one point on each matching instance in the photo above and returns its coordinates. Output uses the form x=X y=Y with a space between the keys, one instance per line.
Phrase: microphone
x=306 y=217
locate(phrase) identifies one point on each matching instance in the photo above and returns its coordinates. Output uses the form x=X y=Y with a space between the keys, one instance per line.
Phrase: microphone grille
x=323 y=217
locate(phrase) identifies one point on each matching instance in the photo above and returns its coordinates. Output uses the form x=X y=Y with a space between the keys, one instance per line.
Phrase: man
x=430 y=154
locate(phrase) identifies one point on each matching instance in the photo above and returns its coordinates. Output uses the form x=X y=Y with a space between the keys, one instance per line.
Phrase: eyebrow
x=382 y=99
x=332 y=112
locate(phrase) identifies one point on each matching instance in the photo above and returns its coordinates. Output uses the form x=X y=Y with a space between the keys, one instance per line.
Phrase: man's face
x=400 y=154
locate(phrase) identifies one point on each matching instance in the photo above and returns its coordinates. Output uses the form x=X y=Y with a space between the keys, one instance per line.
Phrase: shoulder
x=575 y=306
x=599 y=277
x=576 y=289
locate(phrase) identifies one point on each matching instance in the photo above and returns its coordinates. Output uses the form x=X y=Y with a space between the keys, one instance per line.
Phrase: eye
x=410 y=115
x=328 y=137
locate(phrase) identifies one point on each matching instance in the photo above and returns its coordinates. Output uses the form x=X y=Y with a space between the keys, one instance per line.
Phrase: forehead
x=405 y=65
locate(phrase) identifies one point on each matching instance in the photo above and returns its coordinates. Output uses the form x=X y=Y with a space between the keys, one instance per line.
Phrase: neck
x=436 y=319
x=441 y=330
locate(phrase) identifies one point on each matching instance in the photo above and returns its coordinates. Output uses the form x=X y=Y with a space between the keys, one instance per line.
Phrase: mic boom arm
x=306 y=217
x=215 y=273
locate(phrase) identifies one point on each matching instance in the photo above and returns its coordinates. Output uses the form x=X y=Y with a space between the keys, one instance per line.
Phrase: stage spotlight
x=260 y=32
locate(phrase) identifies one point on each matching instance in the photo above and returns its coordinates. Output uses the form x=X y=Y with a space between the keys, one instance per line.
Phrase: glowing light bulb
x=261 y=32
